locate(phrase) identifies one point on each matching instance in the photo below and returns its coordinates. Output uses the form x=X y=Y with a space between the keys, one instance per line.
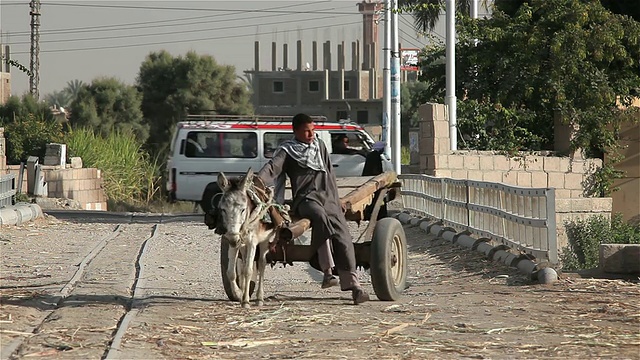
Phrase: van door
x=205 y=153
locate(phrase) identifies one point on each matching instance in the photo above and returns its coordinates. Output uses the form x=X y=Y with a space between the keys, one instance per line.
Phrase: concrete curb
x=19 y=213
x=500 y=253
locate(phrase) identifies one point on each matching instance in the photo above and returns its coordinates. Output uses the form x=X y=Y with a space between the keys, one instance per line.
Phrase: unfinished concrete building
x=338 y=91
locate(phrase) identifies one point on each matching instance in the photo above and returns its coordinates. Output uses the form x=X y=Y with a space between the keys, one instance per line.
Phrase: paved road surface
x=88 y=290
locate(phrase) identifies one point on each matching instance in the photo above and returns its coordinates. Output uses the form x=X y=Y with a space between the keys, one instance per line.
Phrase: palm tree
x=73 y=88
x=426 y=17
x=59 y=98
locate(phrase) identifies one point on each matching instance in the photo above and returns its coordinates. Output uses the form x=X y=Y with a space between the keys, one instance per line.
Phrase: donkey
x=241 y=217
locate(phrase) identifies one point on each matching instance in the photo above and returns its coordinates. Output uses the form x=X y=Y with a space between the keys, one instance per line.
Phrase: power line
x=137 y=25
x=171 y=33
x=136 y=7
x=178 y=41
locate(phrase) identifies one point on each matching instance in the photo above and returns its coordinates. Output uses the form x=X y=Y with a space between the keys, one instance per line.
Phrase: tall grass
x=130 y=176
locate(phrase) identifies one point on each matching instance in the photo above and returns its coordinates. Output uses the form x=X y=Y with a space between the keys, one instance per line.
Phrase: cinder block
x=539 y=179
x=492 y=176
x=444 y=146
x=564 y=205
x=459 y=174
x=524 y=179
x=501 y=162
x=552 y=164
x=456 y=162
x=534 y=163
x=555 y=180
x=486 y=162
x=76 y=162
x=475 y=175
x=565 y=164
x=620 y=258
x=563 y=194
x=427 y=146
x=98 y=173
x=441 y=129
x=424 y=163
x=577 y=194
x=442 y=173
x=510 y=178
x=426 y=129
x=442 y=161
x=471 y=162
x=573 y=181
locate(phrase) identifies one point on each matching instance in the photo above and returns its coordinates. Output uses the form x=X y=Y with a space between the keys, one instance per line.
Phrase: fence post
x=466 y=205
x=443 y=196
x=552 y=235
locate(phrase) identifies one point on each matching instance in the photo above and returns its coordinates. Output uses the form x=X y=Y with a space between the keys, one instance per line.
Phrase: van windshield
x=214 y=144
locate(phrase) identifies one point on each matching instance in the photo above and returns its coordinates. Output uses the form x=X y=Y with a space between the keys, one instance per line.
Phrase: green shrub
x=28 y=136
x=130 y=176
x=585 y=237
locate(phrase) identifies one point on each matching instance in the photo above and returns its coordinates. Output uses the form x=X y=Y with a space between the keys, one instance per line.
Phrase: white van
x=205 y=145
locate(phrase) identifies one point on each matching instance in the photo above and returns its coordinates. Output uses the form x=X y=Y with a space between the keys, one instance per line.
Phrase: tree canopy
x=174 y=87
x=569 y=58
x=108 y=104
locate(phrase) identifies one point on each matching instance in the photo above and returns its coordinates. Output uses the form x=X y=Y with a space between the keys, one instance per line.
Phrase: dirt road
x=73 y=290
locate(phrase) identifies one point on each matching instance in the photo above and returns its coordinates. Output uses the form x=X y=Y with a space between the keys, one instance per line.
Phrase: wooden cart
x=381 y=248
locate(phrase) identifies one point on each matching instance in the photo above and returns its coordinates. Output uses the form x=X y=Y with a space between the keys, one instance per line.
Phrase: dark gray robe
x=315 y=197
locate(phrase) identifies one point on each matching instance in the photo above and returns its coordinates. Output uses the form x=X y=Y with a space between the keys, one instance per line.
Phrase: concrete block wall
x=83 y=185
x=568 y=176
x=578 y=209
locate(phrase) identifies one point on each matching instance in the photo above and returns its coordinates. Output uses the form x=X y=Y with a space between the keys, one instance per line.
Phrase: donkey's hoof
x=246 y=305
x=260 y=303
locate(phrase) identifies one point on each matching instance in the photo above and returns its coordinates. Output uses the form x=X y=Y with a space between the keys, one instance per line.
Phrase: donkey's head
x=235 y=205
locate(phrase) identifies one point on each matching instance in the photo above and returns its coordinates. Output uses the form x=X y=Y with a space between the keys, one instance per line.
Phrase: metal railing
x=7 y=190
x=521 y=218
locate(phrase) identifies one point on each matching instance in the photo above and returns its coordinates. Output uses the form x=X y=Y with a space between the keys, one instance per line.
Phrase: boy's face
x=305 y=133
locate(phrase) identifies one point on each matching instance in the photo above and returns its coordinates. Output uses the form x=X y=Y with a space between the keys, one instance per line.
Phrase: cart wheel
x=389 y=259
x=224 y=263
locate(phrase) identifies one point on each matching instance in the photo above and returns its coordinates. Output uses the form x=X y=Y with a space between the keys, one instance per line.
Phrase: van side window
x=218 y=144
x=272 y=140
x=348 y=143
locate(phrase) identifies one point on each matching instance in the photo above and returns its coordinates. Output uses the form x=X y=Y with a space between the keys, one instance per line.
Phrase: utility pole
x=396 y=152
x=34 y=80
x=386 y=79
x=450 y=52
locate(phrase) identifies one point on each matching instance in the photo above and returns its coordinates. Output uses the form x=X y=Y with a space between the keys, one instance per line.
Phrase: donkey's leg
x=250 y=252
x=231 y=271
x=262 y=264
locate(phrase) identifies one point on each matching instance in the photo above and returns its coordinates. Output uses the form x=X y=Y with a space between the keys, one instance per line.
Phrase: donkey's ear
x=248 y=178
x=223 y=182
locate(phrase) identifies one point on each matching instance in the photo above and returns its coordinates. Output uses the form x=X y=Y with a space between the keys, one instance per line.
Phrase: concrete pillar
x=359 y=84
x=299 y=45
x=354 y=56
x=274 y=57
x=314 y=48
x=285 y=56
x=342 y=56
x=256 y=54
x=372 y=84
x=373 y=57
x=340 y=59
x=328 y=66
x=326 y=84
x=366 y=59
x=7 y=54
x=341 y=85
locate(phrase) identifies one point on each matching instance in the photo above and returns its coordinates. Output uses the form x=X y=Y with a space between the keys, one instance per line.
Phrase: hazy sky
x=86 y=39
